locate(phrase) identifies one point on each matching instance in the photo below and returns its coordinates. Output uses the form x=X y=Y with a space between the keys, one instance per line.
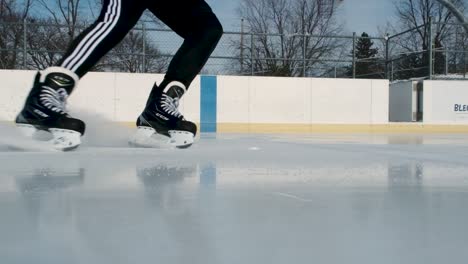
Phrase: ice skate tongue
x=175 y=91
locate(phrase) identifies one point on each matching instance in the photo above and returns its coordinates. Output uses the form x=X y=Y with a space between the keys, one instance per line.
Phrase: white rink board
x=233 y=105
x=282 y=100
x=14 y=89
x=118 y=97
x=446 y=102
x=380 y=101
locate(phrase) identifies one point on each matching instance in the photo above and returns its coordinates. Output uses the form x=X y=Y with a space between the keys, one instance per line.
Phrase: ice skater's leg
x=195 y=22
x=45 y=106
x=201 y=30
x=116 y=19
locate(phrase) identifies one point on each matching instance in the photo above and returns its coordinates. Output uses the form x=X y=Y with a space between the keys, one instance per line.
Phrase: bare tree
x=415 y=46
x=460 y=42
x=49 y=37
x=414 y=13
x=12 y=16
x=65 y=12
x=288 y=36
x=50 y=34
x=135 y=54
x=46 y=44
x=456 y=12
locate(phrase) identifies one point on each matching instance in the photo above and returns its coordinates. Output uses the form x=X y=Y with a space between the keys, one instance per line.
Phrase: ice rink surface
x=240 y=199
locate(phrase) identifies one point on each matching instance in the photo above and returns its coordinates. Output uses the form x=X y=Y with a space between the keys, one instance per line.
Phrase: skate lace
x=170 y=105
x=55 y=100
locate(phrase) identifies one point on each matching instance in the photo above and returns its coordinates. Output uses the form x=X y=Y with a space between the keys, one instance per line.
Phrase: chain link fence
x=441 y=52
x=148 y=49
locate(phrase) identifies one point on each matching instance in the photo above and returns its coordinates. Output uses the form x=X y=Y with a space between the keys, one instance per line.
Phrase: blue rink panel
x=208 y=103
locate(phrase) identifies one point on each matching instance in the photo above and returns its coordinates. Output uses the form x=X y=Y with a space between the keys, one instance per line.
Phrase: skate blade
x=53 y=139
x=146 y=137
x=181 y=139
x=65 y=139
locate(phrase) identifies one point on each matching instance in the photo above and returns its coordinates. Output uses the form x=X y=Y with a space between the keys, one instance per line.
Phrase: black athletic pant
x=193 y=20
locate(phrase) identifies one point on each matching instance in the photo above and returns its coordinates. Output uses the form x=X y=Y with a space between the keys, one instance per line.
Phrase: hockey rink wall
x=299 y=104
x=224 y=103
x=437 y=102
x=445 y=102
x=253 y=104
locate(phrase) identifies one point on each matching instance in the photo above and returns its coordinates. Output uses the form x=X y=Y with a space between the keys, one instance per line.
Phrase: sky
x=356 y=15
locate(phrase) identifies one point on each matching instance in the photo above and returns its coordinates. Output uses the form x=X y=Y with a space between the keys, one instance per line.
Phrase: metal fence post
x=392 y=72
x=456 y=57
x=304 y=55
x=387 y=55
x=143 y=28
x=446 y=61
x=464 y=55
x=354 y=55
x=431 y=72
x=252 y=54
x=465 y=64
x=242 y=47
x=25 y=41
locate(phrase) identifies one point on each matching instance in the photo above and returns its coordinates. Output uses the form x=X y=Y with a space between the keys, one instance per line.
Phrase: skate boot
x=161 y=124
x=45 y=109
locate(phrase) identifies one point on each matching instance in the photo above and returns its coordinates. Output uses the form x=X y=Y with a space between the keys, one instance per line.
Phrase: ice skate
x=161 y=124
x=45 y=110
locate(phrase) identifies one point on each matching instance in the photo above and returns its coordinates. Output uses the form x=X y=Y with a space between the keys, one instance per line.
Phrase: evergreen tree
x=367 y=66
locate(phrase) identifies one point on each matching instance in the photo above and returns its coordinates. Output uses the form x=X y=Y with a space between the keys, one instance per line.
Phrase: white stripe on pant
x=89 y=43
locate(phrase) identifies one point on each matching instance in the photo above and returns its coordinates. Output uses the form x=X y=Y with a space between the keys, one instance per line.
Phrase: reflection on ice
x=43 y=180
x=289 y=201
x=405 y=174
x=160 y=183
